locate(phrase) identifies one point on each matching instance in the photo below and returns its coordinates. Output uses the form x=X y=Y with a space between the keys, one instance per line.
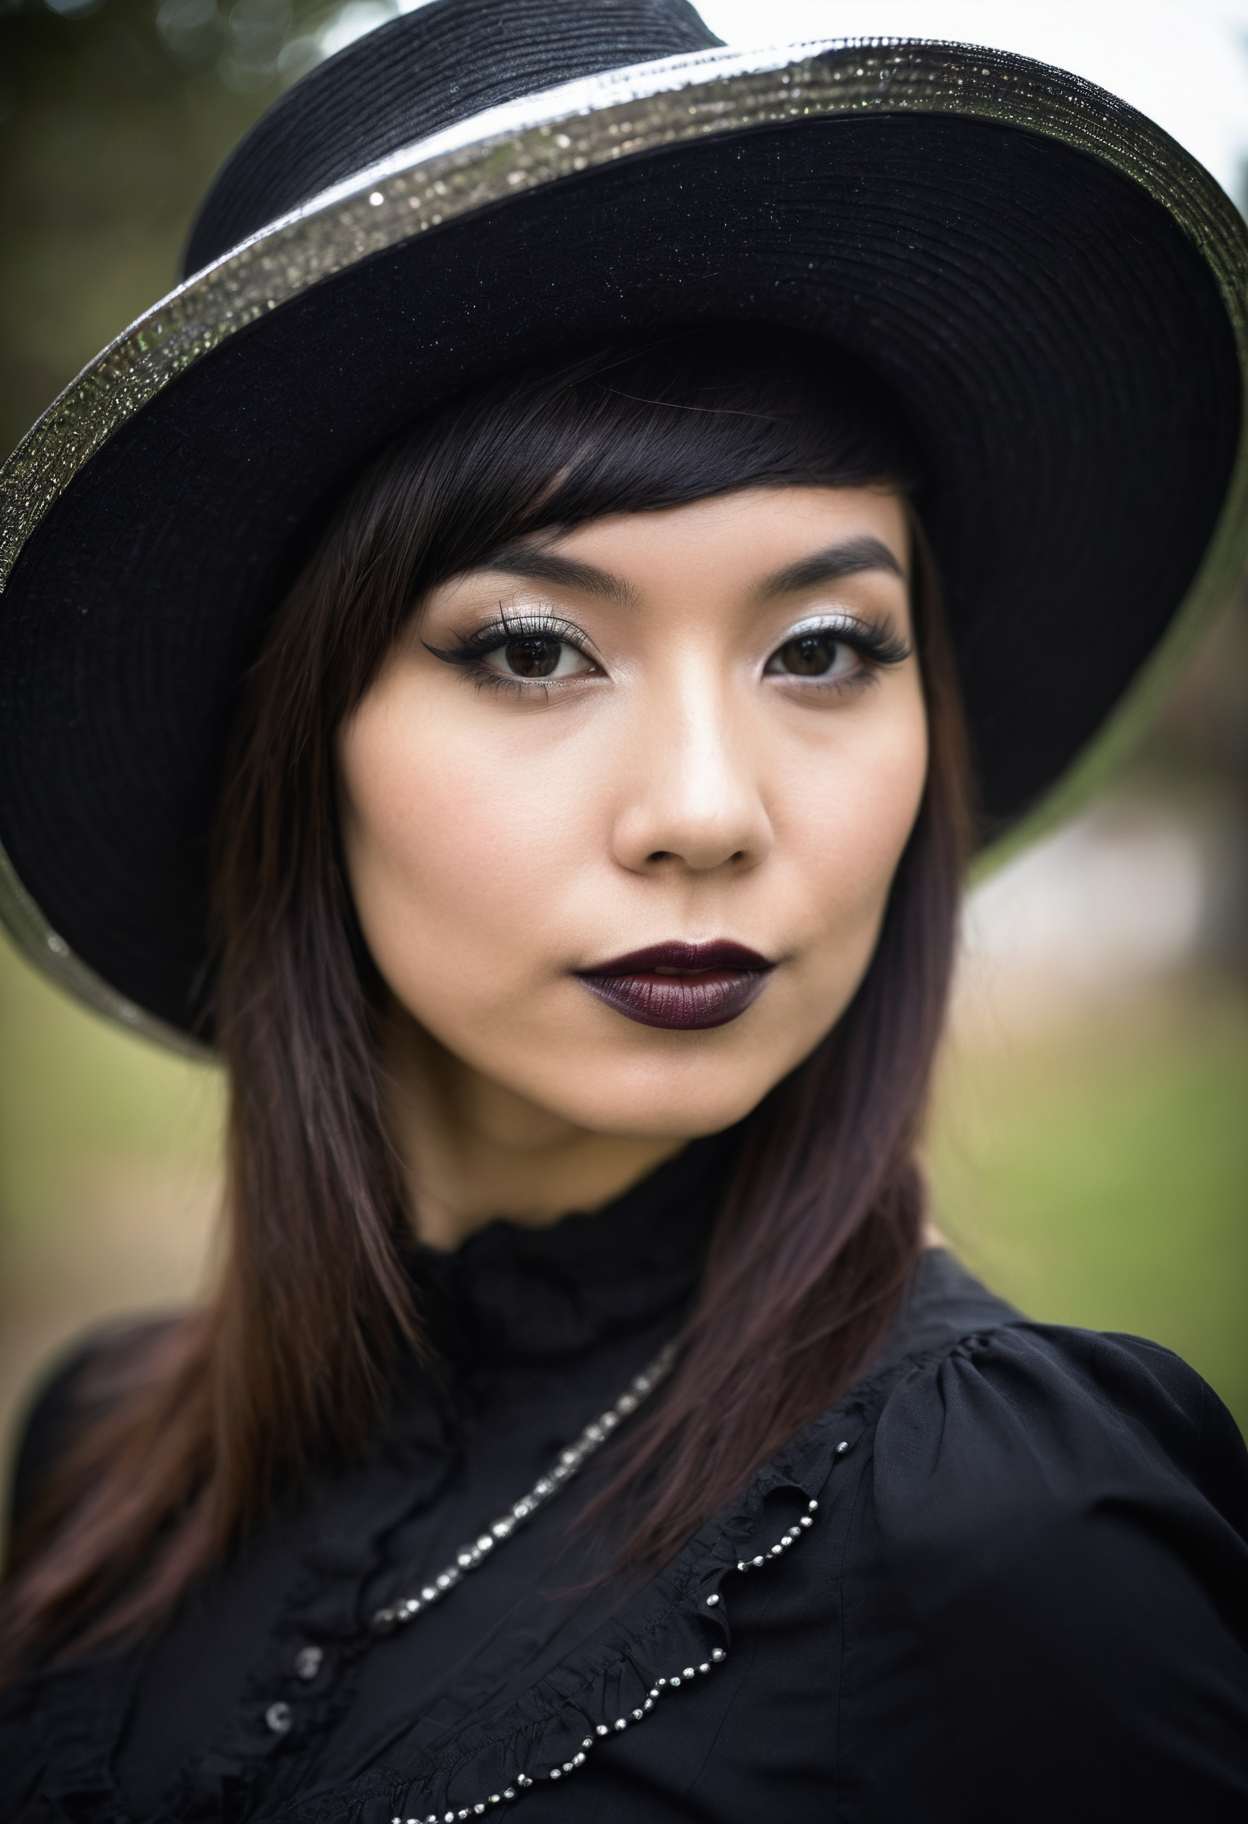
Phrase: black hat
x=1054 y=288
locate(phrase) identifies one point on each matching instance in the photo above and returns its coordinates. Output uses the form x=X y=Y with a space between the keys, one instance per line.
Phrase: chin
x=656 y=1104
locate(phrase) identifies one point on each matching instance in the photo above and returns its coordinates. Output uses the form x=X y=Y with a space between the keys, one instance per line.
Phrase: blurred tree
x=1197 y=758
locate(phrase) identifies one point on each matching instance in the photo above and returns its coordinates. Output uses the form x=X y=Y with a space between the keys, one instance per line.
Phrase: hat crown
x=417 y=75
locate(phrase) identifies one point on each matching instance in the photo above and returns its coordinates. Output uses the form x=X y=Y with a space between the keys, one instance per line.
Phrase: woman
x=492 y=684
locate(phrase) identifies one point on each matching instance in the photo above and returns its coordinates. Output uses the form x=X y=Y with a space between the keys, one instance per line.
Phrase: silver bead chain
x=522 y=1782
x=566 y=1465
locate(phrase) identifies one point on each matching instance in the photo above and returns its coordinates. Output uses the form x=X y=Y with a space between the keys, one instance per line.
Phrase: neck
x=472 y=1150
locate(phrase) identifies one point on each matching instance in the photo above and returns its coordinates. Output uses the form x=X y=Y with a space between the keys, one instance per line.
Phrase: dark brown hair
x=192 y=1430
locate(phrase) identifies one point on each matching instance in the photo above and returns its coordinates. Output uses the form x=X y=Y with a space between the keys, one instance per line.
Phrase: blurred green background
x=1089 y=1145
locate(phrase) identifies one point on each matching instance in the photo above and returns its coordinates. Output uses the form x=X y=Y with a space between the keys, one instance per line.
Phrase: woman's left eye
x=814 y=655
x=537 y=657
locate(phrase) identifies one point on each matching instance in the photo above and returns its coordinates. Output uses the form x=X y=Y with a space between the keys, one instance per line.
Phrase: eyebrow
x=850 y=558
x=540 y=566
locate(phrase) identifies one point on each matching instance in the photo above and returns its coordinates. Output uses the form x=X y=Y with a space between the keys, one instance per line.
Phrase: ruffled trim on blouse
x=676 y=1631
x=974 y=1449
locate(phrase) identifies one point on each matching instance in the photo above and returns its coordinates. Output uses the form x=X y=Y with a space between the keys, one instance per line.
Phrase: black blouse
x=1005 y=1575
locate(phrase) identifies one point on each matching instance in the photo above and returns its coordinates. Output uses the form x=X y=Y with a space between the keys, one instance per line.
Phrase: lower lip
x=681 y=1003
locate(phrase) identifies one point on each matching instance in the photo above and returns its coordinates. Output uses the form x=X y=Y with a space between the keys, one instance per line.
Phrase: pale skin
x=674 y=779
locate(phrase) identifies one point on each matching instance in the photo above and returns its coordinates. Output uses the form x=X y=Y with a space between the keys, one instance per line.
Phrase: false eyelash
x=471 y=648
x=879 y=645
x=872 y=640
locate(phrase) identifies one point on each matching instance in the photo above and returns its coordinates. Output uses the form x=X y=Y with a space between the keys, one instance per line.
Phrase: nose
x=691 y=794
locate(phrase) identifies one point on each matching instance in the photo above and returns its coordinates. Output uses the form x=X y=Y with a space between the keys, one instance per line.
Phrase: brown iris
x=810 y=656
x=533 y=658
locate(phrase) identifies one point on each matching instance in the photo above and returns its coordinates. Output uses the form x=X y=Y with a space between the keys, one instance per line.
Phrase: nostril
x=660 y=855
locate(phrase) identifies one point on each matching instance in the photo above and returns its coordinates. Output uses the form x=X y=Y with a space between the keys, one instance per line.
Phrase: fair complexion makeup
x=620 y=815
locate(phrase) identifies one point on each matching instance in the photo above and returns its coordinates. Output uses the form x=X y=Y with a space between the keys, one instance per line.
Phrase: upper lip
x=683 y=959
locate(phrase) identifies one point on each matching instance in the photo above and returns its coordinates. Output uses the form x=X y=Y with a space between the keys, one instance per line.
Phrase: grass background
x=1097 y=1172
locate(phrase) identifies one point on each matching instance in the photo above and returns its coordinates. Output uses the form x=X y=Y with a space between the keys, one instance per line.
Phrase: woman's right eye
x=537 y=657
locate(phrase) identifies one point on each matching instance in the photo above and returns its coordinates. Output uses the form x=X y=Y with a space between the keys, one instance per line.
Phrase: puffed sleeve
x=1063 y=1517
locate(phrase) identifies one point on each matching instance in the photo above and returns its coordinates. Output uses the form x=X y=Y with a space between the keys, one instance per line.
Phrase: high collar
x=514 y=1292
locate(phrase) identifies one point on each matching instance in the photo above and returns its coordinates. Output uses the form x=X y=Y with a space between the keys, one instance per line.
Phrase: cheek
x=452 y=848
x=849 y=826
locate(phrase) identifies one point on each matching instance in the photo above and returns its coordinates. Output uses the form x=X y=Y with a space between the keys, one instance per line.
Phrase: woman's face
x=621 y=811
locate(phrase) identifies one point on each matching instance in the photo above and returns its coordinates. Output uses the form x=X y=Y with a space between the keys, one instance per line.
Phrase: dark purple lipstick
x=684 y=987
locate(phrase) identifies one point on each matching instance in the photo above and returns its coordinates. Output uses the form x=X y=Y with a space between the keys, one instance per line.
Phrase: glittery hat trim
x=578 y=127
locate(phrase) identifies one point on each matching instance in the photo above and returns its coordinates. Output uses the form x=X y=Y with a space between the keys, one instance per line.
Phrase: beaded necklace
x=470 y=1556
x=567 y=1464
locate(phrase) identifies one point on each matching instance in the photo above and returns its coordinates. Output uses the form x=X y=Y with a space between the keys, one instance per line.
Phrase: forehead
x=747 y=535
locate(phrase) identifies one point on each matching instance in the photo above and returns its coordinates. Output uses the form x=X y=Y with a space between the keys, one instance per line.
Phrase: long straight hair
x=190 y=1432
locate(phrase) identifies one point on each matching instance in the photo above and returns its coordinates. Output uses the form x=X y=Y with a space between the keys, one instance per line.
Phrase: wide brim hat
x=1052 y=286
